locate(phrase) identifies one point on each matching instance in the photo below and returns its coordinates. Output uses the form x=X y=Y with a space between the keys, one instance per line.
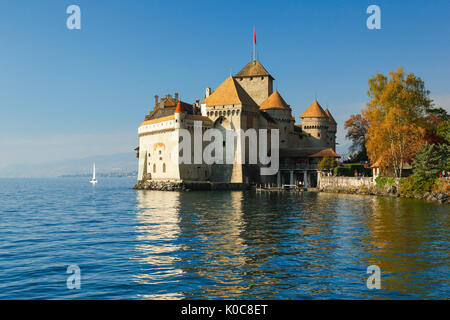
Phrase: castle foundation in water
x=245 y=101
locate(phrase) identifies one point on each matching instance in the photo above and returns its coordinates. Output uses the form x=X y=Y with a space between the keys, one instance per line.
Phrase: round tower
x=179 y=115
x=316 y=124
x=280 y=111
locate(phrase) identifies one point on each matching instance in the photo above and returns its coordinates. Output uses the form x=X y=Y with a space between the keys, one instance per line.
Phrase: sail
x=93 y=174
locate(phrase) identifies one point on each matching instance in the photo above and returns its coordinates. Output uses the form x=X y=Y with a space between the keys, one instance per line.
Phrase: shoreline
x=391 y=192
x=440 y=197
x=165 y=185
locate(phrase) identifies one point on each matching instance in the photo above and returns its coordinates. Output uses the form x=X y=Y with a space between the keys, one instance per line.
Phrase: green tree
x=441 y=113
x=443 y=130
x=428 y=162
x=444 y=151
x=327 y=164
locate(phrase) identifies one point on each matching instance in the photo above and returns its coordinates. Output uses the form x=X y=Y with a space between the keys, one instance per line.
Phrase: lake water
x=218 y=245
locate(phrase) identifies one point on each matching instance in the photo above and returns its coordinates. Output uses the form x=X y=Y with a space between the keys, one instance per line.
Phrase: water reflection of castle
x=228 y=247
x=224 y=245
x=157 y=234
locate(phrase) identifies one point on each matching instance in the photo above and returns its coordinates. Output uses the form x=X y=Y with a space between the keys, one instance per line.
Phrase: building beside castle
x=243 y=101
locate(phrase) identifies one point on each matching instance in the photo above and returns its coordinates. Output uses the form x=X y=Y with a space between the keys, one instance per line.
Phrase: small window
x=159 y=151
x=164 y=167
x=154 y=168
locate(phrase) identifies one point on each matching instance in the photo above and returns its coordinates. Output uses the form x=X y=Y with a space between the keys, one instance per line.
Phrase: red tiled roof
x=314 y=111
x=274 y=101
x=179 y=108
x=325 y=153
x=229 y=92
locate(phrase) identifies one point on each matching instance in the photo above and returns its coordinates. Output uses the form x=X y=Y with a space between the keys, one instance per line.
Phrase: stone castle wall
x=258 y=87
x=344 y=183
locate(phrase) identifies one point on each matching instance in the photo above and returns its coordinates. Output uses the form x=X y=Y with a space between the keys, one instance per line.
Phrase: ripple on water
x=237 y=245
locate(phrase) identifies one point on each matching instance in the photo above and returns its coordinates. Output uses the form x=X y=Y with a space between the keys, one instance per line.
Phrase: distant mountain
x=120 y=164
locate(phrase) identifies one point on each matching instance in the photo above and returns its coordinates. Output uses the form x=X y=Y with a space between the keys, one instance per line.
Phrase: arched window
x=164 y=167
x=154 y=167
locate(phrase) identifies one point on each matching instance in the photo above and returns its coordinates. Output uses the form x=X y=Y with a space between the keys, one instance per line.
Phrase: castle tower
x=281 y=112
x=256 y=81
x=179 y=115
x=230 y=107
x=316 y=123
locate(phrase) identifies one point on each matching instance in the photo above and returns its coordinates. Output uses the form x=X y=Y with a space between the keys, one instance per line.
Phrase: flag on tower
x=254 y=44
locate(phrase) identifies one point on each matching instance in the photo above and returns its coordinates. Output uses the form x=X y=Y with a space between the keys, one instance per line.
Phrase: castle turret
x=179 y=115
x=316 y=123
x=280 y=111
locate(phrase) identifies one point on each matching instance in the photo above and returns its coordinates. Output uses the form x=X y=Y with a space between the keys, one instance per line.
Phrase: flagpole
x=254 y=44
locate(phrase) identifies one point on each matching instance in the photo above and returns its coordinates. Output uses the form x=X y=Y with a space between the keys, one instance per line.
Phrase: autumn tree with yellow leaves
x=396 y=115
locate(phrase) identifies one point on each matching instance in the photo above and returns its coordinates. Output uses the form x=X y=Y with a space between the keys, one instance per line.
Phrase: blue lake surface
x=215 y=245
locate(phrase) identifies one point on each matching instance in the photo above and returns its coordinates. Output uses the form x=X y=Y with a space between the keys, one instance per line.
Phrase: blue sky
x=75 y=93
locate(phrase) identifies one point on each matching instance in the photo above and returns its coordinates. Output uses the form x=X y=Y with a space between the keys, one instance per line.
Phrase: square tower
x=256 y=81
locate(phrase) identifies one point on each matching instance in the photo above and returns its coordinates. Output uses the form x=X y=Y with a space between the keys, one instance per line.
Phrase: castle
x=243 y=101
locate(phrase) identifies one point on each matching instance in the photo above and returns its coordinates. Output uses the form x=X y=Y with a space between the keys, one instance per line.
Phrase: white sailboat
x=93 y=181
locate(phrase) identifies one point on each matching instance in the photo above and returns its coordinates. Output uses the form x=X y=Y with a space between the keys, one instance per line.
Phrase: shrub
x=349 y=170
x=382 y=181
x=327 y=163
x=345 y=171
x=416 y=185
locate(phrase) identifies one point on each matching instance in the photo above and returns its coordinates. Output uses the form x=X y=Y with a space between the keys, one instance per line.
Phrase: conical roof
x=325 y=153
x=253 y=69
x=314 y=111
x=229 y=92
x=328 y=113
x=179 y=108
x=274 y=101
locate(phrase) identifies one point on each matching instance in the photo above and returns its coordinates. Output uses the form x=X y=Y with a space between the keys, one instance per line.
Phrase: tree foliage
x=395 y=112
x=327 y=164
x=357 y=127
x=428 y=162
